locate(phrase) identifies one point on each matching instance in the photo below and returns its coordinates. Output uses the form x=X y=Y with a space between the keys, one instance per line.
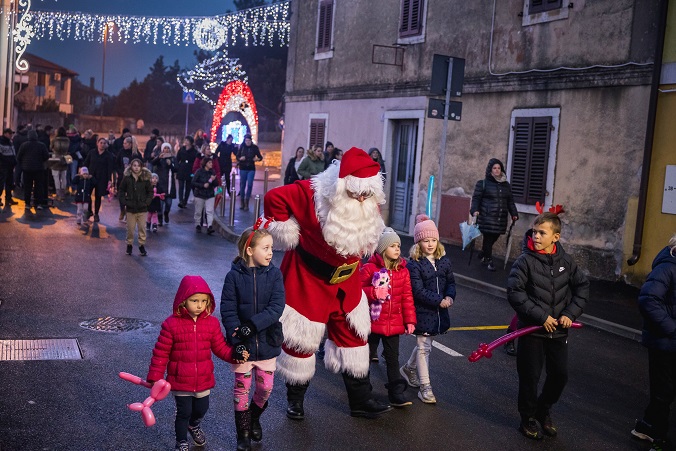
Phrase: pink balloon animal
x=158 y=392
x=486 y=350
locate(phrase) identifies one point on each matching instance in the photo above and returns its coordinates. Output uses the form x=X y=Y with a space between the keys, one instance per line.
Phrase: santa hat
x=424 y=228
x=357 y=163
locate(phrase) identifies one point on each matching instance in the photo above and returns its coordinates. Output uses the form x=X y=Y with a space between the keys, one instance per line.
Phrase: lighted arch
x=236 y=96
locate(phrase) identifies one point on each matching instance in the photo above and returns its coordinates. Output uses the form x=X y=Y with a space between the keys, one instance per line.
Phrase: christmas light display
x=236 y=96
x=217 y=71
x=255 y=26
x=22 y=35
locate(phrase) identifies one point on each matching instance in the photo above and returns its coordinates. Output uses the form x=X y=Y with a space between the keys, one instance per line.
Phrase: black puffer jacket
x=493 y=200
x=32 y=154
x=201 y=177
x=430 y=285
x=541 y=285
x=166 y=172
x=100 y=166
x=136 y=193
x=657 y=302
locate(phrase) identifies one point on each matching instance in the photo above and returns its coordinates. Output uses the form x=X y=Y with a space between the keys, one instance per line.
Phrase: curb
x=475 y=284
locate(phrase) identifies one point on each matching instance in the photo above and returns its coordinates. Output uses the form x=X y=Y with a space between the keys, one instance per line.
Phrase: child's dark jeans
x=390 y=352
x=189 y=411
x=662 y=370
x=533 y=354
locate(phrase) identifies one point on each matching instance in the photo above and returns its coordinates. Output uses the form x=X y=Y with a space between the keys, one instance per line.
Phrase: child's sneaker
x=643 y=431
x=531 y=429
x=182 y=446
x=129 y=248
x=510 y=349
x=154 y=228
x=425 y=394
x=148 y=226
x=410 y=375
x=548 y=427
x=197 y=435
x=142 y=250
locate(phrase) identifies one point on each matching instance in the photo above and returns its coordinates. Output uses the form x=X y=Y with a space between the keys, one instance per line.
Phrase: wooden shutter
x=411 y=18
x=530 y=158
x=317 y=131
x=324 y=29
x=538 y=6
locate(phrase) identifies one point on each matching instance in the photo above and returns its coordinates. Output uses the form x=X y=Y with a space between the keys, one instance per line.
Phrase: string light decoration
x=236 y=96
x=263 y=25
x=211 y=74
x=22 y=35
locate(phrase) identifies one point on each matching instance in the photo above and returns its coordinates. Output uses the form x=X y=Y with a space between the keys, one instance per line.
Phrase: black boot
x=241 y=203
x=246 y=204
x=359 y=397
x=295 y=394
x=256 y=429
x=395 y=391
x=243 y=424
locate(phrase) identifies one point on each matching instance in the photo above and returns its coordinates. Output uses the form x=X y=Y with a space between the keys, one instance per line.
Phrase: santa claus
x=326 y=225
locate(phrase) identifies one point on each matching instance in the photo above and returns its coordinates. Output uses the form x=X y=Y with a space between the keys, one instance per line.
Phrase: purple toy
x=381 y=286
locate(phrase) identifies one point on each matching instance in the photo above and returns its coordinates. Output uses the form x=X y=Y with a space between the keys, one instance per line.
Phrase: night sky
x=124 y=62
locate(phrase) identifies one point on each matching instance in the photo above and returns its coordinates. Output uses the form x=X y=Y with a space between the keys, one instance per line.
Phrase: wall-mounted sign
x=669 y=197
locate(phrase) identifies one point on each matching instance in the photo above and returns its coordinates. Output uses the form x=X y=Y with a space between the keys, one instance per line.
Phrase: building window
x=325 y=26
x=532 y=156
x=317 y=132
x=539 y=6
x=411 y=18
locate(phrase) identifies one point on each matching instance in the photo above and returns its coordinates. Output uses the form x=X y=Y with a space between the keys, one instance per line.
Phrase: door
x=403 y=173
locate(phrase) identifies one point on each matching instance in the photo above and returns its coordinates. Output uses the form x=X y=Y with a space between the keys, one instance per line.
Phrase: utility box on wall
x=669 y=197
x=454 y=210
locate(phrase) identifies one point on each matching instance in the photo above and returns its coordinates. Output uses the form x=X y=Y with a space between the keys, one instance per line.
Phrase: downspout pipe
x=650 y=133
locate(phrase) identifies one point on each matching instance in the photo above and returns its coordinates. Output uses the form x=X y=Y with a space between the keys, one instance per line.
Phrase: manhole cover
x=41 y=349
x=112 y=324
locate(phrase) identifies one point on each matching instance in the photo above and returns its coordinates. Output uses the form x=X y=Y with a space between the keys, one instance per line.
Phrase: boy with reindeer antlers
x=546 y=288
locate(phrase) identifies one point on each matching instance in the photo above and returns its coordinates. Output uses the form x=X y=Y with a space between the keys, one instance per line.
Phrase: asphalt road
x=54 y=275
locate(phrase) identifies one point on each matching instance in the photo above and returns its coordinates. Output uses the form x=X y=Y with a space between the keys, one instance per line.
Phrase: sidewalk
x=612 y=306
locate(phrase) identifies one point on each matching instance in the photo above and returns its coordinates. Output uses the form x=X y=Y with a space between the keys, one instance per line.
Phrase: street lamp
x=106 y=28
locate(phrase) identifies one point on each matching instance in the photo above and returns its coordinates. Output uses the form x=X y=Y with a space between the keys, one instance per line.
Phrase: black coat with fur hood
x=136 y=193
x=493 y=200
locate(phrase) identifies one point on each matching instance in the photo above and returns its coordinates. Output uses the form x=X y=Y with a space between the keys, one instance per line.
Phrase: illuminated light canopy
x=236 y=96
x=255 y=26
x=217 y=71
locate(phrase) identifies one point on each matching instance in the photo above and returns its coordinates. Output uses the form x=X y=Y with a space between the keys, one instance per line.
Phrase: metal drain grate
x=41 y=349
x=112 y=324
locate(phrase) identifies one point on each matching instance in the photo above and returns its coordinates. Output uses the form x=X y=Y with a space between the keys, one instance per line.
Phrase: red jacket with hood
x=185 y=345
x=397 y=311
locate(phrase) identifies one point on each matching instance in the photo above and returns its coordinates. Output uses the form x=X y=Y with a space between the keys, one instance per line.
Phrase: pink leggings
x=264 y=382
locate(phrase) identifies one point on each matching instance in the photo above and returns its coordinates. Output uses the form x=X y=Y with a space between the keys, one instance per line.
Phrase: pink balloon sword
x=158 y=392
x=486 y=350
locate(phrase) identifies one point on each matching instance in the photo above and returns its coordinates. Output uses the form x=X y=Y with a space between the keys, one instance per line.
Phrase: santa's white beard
x=349 y=226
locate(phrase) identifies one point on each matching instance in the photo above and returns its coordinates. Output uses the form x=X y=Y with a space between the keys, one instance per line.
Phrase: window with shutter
x=411 y=18
x=530 y=159
x=324 y=27
x=538 y=6
x=317 y=132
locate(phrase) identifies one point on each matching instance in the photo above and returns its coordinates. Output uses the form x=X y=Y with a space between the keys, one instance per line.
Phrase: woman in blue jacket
x=251 y=304
x=657 y=303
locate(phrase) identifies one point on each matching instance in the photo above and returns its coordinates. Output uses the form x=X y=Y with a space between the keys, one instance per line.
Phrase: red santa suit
x=326 y=225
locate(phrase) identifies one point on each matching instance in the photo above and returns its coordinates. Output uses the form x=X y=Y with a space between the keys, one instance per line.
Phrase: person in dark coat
x=433 y=286
x=118 y=144
x=84 y=184
x=100 y=165
x=291 y=173
x=7 y=164
x=657 y=304
x=136 y=194
x=224 y=152
x=248 y=155
x=150 y=145
x=20 y=137
x=546 y=288
x=32 y=157
x=252 y=303
x=492 y=201
x=166 y=171
x=185 y=159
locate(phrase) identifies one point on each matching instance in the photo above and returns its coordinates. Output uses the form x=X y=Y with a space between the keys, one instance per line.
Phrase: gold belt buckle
x=343 y=272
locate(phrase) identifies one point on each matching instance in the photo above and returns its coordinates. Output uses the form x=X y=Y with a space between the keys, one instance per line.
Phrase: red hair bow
x=556 y=209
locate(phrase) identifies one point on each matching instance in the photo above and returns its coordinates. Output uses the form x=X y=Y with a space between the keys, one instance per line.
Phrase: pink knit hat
x=424 y=228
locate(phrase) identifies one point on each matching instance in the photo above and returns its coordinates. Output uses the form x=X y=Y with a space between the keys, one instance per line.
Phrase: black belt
x=332 y=274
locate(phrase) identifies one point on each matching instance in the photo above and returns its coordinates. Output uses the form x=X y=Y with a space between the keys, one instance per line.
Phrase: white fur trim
x=296 y=370
x=359 y=319
x=285 y=234
x=301 y=334
x=354 y=361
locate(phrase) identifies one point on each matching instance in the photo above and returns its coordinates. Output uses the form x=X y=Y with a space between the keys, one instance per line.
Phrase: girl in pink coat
x=183 y=350
x=391 y=306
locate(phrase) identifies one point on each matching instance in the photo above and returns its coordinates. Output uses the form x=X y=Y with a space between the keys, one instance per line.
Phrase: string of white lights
x=264 y=25
x=212 y=73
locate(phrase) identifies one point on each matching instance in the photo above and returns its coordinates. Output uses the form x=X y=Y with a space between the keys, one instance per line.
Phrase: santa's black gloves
x=238 y=352
x=245 y=330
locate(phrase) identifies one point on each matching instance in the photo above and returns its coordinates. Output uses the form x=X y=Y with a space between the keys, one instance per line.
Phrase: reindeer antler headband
x=260 y=222
x=556 y=209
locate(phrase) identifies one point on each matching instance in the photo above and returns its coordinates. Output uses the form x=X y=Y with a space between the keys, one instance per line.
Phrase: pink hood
x=191 y=285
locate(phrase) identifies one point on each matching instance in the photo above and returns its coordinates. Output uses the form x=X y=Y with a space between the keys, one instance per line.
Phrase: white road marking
x=446 y=349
